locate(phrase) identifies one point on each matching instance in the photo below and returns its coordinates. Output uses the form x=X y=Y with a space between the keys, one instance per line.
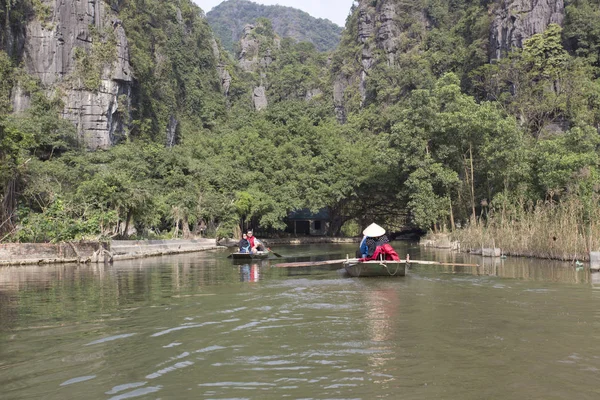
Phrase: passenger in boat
x=244 y=244
x=255 y=244
x=376 y=245
x=363 y=250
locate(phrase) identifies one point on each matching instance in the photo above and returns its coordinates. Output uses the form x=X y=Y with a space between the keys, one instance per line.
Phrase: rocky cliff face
x=386 y=28
x=255 y=57
x=252 y=58
x=379 y=30
x=517 y=20
x=224 y=75
x=54 y=47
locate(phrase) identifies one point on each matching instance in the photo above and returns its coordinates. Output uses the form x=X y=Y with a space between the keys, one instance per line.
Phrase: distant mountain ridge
x=229 y=18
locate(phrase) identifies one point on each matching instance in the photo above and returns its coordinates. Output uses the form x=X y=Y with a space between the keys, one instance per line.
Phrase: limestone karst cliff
x=142 y=68
x=119 y=67
x=392 y=35
x=54 y=49
x=257 y=45
x=517 y=20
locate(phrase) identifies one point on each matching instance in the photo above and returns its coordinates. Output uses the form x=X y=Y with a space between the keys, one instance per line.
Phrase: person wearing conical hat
x=370 y=232
x=374 y=230
x=376 y=244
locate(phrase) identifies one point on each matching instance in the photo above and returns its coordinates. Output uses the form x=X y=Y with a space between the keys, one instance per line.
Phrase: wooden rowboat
x=261 y=255
x=356 y=268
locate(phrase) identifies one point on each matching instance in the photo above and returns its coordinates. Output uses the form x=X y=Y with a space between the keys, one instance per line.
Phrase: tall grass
x=566 y=230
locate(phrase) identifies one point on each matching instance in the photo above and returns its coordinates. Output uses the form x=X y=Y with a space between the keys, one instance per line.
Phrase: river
x=196 y=326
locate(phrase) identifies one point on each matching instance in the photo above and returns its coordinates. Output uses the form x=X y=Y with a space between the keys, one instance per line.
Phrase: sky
x=334 y=10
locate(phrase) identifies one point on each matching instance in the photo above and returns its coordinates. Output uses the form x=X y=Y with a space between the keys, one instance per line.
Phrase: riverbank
x=294 y=240
x=97 y=252
x=488 y=247
x=103 y=252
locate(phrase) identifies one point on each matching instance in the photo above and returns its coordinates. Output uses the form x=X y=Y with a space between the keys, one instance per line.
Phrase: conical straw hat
x=373 y=230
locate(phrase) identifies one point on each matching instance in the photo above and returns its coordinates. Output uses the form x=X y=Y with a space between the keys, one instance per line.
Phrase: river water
x=196 y=326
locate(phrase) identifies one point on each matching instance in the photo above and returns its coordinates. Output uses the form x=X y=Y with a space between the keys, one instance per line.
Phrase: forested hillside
x=229 y=18
x=427 y=114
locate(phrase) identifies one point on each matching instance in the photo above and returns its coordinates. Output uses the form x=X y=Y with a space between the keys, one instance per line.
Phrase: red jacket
x=385 y=252
x=253 y=241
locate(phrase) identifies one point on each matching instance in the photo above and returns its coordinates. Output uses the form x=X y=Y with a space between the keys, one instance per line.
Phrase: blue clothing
x=364 y=249
x=244 y=246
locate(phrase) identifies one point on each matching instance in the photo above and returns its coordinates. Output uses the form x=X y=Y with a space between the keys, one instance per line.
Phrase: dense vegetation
x=229 y=18
x=441 y=138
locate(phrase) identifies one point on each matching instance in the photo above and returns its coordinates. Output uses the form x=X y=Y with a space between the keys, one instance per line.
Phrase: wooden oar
x=275 y=254
x=340 y=261
x=309 y=263
x=442 y=263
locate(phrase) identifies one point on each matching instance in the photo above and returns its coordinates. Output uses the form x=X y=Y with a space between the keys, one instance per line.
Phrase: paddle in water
x=276 y=254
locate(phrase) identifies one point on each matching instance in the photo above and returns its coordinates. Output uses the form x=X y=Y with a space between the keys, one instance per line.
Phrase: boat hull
x=375 y=268
x=250 y=256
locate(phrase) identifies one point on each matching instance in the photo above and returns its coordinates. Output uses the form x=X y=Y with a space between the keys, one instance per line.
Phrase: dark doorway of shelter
x=302 y=228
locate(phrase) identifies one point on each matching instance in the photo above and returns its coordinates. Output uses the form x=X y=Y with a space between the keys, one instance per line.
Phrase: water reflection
x=194 y=326
x=511 y=267
x=249 y=272
x=382 y=310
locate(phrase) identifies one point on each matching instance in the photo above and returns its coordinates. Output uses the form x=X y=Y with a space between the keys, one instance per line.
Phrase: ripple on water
x=182 y=327
x=179 y=357
x=242 y=385
x=137 y=393
x=125 y=386
x=172 y=368
x=110 y=339
x=77 y=380
x=210 y=348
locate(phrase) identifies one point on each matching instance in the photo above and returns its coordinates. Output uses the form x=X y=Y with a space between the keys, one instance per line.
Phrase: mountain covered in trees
x=120 y=118
x=229 y=18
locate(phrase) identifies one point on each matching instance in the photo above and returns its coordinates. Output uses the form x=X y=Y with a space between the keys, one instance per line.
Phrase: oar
x=309 y=263
x=326 y=262
x=442 y=263
x=276 y=254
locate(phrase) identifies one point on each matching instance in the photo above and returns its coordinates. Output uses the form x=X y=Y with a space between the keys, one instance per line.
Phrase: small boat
x=261 y=255
x=356 y=268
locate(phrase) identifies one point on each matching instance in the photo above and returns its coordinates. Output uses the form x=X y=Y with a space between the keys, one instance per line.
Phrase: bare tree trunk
x=452 y=226
x=186 y=227
x=8 y=206
x=472 y=182
x=126 y=230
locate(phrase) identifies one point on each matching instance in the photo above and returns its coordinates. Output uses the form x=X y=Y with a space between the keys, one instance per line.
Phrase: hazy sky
x=334 y=10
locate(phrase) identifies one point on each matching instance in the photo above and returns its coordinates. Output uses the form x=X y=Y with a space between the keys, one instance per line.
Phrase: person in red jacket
x=255 y=244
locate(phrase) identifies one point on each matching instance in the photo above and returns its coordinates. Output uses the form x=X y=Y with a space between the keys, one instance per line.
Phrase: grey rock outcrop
x=379 y=30
x=253 y=59
x=517 y=20
x=224 y=75
x=172 y=131
x=340 y=83
x=101 y=115
x=248 y=57
x=313 y=93
x=259 y=98
x=225 y=78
